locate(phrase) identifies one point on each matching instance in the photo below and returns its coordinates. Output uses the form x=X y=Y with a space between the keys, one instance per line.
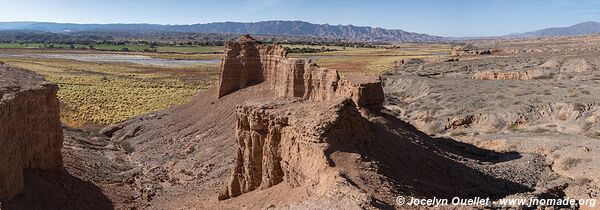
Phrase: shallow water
x=138 y=59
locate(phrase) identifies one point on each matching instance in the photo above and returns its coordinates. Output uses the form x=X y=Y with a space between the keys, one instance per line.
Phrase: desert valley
x=208 y=117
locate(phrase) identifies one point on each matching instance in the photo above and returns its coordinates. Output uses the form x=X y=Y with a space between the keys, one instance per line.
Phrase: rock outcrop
x=364 y=90
x=470 y=51
x=284 y=133
x=287 y=139
x=30 y=130
x=549 y=69
x=247 y=63
x=493 y=75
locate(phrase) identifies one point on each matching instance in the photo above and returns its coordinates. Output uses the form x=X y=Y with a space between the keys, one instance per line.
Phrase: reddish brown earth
x=276 y=133
x=30 y=130
x=537 y=96
x=299 y=136
x=32 y=172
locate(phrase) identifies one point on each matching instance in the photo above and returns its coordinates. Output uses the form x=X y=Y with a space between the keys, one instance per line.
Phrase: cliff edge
x=248 y=63
x=325 y=135
x=284 y=133
x=30 y=130
x=286 y=139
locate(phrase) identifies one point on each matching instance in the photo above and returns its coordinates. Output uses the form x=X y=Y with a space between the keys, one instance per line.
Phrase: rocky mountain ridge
x=275 y=27
x=585 y=28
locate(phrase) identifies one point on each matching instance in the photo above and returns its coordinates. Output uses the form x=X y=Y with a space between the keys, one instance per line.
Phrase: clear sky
x=437 y=17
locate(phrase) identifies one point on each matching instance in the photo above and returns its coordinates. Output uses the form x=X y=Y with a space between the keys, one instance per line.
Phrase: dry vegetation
x=94 y=93
x=373 y=60
x=106 y=93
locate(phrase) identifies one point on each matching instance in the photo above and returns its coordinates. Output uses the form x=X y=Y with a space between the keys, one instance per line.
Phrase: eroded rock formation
x=248 y=63
x=364 y=90
x=551 y=68
x=30 y=130
x=287 y=139
x=493 y=75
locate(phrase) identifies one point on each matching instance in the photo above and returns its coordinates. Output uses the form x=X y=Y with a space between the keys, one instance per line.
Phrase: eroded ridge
x=247 y=63
x=30 y=130
x=287 y=139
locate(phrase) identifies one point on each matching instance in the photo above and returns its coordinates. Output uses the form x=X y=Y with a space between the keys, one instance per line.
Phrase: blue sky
x=437 y=17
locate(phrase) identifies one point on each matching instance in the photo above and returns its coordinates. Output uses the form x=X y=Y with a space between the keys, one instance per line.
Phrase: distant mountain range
x=585 y=28
x=287 y=28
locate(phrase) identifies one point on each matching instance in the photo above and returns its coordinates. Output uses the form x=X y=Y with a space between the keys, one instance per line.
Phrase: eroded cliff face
x=364 y=90
x=247 y=62
x=289 y=139
x=30 y=130
x=553 y=68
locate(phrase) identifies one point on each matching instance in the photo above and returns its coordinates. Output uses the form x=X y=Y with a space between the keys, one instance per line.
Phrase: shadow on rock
x=46 y=190
x=418 y=165
x=470 y=151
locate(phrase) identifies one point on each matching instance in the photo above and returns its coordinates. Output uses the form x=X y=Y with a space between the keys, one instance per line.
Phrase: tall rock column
x=248 y=63
x=241 y=67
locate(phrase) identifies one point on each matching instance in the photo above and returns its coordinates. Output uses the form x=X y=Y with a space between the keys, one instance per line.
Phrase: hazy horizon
x=466 y=18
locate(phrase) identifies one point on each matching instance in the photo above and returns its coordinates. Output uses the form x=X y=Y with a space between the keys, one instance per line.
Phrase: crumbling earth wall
x=247 y=63
x=287 y=139
x=30 y=130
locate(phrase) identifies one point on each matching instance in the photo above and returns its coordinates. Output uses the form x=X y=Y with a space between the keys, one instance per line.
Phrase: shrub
x=569 y=163
x=593 y=135
x=579 y=181
x=457 y=133
x=513 y=127
x=125 y=145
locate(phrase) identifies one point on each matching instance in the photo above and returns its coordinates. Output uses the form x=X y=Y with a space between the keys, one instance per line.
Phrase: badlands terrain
x=493 y=119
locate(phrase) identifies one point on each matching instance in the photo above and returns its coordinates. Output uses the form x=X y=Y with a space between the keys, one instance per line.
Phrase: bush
x=458 y=133
x=579 y=181
x=569 y=163
x=125 y=145
x=513 y=127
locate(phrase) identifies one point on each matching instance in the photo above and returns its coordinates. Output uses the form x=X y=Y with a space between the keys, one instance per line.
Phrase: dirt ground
x=520 y=121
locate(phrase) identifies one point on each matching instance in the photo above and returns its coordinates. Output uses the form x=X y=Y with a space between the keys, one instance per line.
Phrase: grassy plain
x=373 y=60
x=106 y=93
